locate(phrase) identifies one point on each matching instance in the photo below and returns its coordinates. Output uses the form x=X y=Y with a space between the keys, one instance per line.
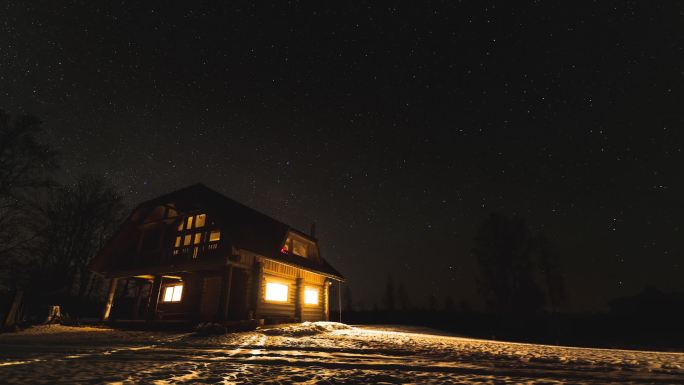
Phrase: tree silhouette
x=402 y=297
x=388 y=298
x=551 y=274
x=503 y=251
x=75 y=221
x=24 y=168
x=348 y=301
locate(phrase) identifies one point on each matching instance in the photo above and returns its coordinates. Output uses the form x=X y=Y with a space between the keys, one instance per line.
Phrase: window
x=214 y=236
x=173 y=293
x=299 y=248
x=311 y=295
x=195 y=236
x=276 y=292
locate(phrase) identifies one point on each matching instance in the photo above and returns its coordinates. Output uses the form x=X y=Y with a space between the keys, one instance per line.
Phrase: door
x=209 y=304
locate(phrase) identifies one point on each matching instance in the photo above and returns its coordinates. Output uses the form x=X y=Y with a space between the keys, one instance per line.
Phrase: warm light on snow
x=311 y=296
x=276 y=292
x=315 y=353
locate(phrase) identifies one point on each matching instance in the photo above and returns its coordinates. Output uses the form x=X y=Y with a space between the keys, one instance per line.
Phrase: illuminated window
x=180 y=226
x=173 y=293
x=198 y=238
x=311 y=296
x=178 y=240
x=214 y=236
x=276 y=292
x=189 y=226
x=187 y=240
x=299 y=248
x=199 y=220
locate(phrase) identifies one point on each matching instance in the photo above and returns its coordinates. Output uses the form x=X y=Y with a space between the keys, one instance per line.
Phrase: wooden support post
x=339 y=298
x=12 y=317
x=257 y=284
x=138 y=299
x=110 y=299
x=326 y=299
x=299 y=299
x=153 y=299
x=224 y=304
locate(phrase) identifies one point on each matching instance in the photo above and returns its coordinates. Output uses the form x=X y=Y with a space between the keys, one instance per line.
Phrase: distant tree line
x=49 y=231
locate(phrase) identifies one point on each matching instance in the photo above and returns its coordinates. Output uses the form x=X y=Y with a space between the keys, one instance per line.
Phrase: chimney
x=313 y=230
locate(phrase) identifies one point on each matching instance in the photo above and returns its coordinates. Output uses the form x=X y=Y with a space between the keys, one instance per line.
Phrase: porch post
x=257 y=285
x=110 y=299
x=224 y=303
x=299 y=298
x=326 y=299
x=153 y=300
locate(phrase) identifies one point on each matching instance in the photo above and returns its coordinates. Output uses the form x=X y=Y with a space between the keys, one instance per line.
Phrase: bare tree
x=25 y=164
x=504 y=254
x=76 y=220
x=552 y=277
x=388 y=298
x=402 y=297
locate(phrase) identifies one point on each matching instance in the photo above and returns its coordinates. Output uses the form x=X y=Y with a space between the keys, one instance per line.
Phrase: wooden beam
x=226 y=283
x=153 y=299
x=299 y=298
x=257 y=284
x=326 y=299
x=110 y=299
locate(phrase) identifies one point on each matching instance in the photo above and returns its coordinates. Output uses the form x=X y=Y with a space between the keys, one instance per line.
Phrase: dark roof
x=245 y=227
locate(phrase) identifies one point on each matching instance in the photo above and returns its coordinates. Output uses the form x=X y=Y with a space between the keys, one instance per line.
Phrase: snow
x=313 y=353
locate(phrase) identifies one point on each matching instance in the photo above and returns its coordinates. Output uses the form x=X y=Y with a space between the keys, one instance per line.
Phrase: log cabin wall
x=288 y=275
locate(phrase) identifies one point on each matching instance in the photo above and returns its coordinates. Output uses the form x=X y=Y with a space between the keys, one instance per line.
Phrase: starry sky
x=398 y=130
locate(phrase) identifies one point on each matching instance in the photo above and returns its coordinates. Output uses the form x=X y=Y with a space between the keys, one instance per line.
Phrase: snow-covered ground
x=312 y=353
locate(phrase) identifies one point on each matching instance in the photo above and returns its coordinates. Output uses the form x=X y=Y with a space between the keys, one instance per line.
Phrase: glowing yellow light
x=187 y=239
x=198 y=238
x=199 y=220
x=276 y=292
x=178 y=241
x=189 y=226
x=173 y=293
x=311 y=296
x=214 y=236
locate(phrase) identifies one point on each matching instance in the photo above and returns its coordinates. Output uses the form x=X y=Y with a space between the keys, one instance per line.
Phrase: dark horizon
x=397 y=131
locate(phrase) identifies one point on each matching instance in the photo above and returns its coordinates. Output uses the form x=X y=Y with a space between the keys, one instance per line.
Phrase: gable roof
x=243 y=226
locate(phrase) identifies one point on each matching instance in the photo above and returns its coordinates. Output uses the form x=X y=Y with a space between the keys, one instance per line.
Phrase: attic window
x=173 y=293
x=299 y=248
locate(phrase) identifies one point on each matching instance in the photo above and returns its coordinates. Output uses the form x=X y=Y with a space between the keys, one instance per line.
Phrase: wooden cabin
x=196 y=255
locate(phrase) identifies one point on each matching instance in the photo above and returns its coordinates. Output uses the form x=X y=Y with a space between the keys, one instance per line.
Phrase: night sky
x=397 y=130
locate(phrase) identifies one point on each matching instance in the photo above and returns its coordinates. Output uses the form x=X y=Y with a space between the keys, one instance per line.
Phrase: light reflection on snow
x=313 y=353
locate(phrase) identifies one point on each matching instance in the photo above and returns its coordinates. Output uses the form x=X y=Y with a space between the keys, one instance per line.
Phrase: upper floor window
x=298 y=246
x=193 y=236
